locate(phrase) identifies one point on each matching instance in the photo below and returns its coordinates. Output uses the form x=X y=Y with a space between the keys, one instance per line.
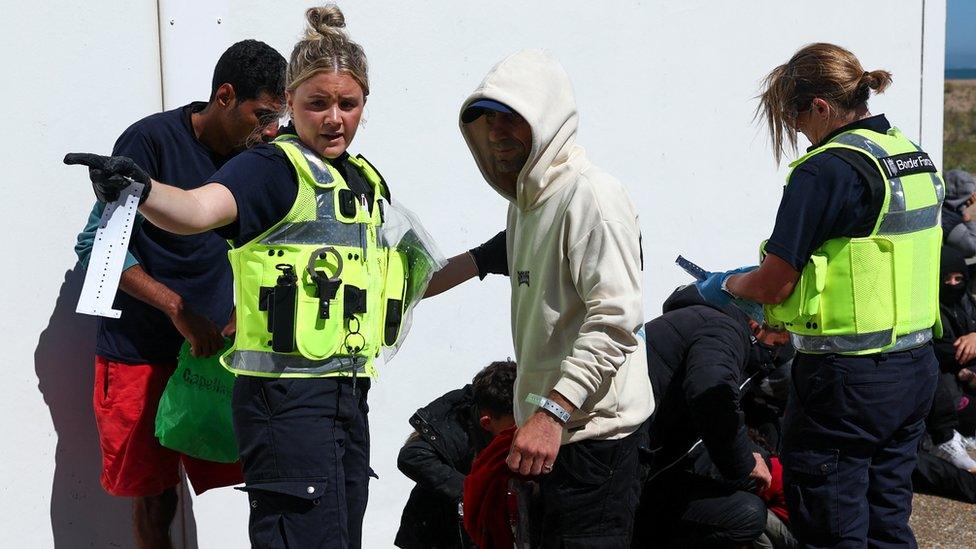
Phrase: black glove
x=110 y=174
x=491 y=257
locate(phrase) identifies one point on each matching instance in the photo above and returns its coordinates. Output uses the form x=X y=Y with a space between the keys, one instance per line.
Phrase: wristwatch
x=560 y=413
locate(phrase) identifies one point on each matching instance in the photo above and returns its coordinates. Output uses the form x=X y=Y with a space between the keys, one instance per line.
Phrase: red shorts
x=134 y=464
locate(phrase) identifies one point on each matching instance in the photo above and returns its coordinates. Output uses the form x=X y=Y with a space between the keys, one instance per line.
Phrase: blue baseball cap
x=479 y=107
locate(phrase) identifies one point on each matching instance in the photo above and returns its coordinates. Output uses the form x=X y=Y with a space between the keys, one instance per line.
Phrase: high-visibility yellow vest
x=317 y=294
x=878 y=293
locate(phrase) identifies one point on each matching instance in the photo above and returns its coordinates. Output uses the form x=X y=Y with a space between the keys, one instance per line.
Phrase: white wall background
x=665 y=90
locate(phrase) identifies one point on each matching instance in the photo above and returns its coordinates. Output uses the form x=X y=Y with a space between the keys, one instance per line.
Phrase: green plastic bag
x=194 y=416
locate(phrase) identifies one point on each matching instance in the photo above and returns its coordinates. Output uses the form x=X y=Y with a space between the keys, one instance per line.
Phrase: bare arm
x=203 y=335
x=135 y=281
x=770 y=284
x=460 y=268
x=189 y=212
x=490 y=257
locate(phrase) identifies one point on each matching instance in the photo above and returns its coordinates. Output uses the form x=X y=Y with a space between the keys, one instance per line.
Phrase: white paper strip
x=108 y=254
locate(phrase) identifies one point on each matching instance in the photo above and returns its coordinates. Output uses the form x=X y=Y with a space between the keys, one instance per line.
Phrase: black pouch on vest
x=264 y=304
x=391 y=324
x=347 y=203
x=353 y=300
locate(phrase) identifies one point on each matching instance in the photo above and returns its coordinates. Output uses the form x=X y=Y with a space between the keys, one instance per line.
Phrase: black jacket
x=958 y=319
x=697 y=356
x=957 y=308
x=437 y=457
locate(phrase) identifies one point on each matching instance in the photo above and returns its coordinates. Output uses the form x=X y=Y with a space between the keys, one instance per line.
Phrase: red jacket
x=486 y=513
x=774 y=496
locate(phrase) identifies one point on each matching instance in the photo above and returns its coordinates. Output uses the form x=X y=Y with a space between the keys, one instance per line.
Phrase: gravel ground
x=940 y=522
x=943 y=523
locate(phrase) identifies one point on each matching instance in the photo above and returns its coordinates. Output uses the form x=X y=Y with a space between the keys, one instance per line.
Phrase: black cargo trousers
x=589 y=499
x=304 y=444
x=850 y=439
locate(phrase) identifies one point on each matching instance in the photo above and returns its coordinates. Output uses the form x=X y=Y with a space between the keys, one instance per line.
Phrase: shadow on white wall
x=82 y=513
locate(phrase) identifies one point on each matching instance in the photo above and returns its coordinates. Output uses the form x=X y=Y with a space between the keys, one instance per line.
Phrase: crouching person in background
x=706 y=473
x=448 y=433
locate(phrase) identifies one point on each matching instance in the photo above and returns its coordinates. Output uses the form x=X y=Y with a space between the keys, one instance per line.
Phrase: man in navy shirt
x=174 y=287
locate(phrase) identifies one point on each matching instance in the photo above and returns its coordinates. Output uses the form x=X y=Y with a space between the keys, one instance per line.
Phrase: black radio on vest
x=282 y=310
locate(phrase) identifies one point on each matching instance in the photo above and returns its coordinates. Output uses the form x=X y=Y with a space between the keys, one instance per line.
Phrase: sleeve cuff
x=784 y=254
x=575 y=393
x=743 y=461
x=130 y=261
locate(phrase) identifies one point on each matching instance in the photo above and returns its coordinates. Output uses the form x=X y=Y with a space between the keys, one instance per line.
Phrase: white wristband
x=548 y=405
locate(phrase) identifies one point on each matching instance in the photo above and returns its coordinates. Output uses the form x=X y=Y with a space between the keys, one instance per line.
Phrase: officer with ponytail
x=852 y=271
x=322 y=282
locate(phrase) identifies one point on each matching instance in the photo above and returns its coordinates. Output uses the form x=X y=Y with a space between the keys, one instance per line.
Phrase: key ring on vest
x=347 y=342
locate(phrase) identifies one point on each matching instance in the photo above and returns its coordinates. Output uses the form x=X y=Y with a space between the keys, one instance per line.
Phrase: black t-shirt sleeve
x=136 y=144
x=826 y=198
x=264 y=185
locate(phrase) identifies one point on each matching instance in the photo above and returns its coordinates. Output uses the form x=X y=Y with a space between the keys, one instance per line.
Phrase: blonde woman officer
x=318 y=290
x=851 y=270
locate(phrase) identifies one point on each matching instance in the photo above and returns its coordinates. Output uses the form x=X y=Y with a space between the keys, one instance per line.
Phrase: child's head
x=493 y=387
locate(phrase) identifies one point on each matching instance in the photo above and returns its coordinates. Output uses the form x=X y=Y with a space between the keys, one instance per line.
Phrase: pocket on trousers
x=813 y=489
x=277 y=392
x=103 y=382
x=270 y=502
x=582 y=466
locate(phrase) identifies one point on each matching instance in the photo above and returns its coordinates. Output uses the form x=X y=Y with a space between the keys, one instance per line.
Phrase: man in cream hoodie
x=574 y=256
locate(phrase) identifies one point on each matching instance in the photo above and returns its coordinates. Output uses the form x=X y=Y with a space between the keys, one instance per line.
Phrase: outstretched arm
x=170 y=208
x=459 y=269
x=189 y=212
x=490 y=257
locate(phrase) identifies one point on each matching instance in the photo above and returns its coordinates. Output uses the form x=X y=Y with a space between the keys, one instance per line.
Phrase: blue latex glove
x=711 y=287
x=711 y=291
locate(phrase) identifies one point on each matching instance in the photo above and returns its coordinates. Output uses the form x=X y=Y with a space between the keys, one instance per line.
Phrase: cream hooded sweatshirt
x=574 y=257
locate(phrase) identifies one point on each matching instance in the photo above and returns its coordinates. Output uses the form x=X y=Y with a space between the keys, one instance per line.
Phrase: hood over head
x=535 y=86
x=686 y=296
x=959 y=186
x=763 y=358
x=952 y=261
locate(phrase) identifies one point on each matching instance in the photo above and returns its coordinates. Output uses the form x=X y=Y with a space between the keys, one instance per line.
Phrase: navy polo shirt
x=836 y=193
x=195 y=267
